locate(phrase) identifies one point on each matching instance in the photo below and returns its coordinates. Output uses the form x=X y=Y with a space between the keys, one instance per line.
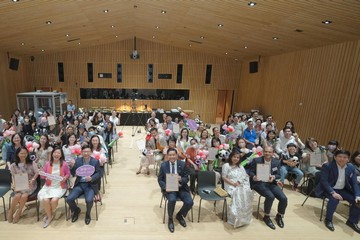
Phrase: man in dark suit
x=176 y=166
x=338 y=182
x=84 y=185
x=270 y=189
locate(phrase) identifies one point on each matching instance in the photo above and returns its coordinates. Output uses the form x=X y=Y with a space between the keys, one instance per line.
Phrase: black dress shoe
x=268 y=222
x=171 y=225
x=181 y=220
x=354 y=226
x=329 y=225
x=87 y=219
x=76 y=215
x=279 y=221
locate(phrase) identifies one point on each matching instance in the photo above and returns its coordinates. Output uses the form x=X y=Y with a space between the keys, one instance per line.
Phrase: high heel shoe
x=138 y=172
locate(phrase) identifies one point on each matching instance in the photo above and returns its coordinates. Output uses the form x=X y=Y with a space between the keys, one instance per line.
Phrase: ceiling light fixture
x=327 y=22
x=48 y=22
x=245 y=47
x=189 y=45
x=116 y=36
x=106 y=10
x=236 y=59
x=202 y=37
x=67 y=35
x=220 y=25
x=112 y=26
x=163 y=11
x=157 y=27
x=43 y=50
x=226 y=53
x=22 y=44
x=252 y=4
x=153 y=37
x=275 y=38
x=79 y=43
x=16 y=0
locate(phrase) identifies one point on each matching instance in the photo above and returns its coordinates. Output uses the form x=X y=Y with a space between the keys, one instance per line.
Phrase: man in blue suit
x=270 y=189
x=84 y=185
x=176 y=166
x=338 y=182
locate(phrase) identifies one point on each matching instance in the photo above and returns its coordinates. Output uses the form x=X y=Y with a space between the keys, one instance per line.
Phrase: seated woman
x=191 y=165
x=43 y=151
x=237 y=184
x=147 y=159
x=22 y=165
x=54 y=189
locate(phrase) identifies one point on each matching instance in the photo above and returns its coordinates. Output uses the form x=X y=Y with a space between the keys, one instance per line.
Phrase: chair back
x=5 y=178
x=206 y=180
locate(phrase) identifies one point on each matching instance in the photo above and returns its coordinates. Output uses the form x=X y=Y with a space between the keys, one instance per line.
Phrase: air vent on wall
x=193 y=41
x=72 y=40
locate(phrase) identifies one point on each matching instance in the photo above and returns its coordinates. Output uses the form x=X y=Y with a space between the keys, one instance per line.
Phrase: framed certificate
x=176 y=128
x=263 y=172
x=51 y=120
x=315 y=159
x=212 y=153
x=172 y=182
x=21 y=182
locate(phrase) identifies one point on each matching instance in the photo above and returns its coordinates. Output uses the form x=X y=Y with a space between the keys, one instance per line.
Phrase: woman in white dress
x=56 y=187
x=183 y=141
x=236 y=183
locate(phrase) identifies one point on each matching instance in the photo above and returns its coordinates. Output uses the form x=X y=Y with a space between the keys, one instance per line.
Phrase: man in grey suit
x=176 y=166
x=84 y=185
x=270 y=189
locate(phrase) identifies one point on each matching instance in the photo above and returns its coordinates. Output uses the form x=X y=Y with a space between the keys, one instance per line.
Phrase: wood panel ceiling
x=182 y=26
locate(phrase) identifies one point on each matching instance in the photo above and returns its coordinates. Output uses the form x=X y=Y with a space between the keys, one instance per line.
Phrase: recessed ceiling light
x=202 y=37
x=153 y=37
x=22 y=44
x=112 y=26
x=275 y=38
x=327 y=22
x=116 y=36
x=157 y=27
x=43 y=50
x=252 y=4
x=236 y=59
x=163 y=11
x=106 y=10
x=245 y=47
x=189 y=45
x=48 y=22
x=220 y=25
x=79 y=43
x=67 y=35
x=15 y=0
x=226 y=53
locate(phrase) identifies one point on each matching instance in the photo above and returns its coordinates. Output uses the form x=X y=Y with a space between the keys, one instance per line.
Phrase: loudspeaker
x=253 y=67
x=61 y=71
x=119 y=73
x=90 y=72
x=14 y=64
x=179 y=73
x=208 y=74
x=150 y=73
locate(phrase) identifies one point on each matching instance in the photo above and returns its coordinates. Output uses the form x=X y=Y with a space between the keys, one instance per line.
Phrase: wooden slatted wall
x=11 y=82
x=319 y=89
x=203 y=98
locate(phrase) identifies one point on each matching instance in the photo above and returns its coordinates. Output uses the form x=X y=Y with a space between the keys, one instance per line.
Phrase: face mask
x=242 y=145
x=331 y=147
x=69 y=115
x=91 y=133
x=30 y=114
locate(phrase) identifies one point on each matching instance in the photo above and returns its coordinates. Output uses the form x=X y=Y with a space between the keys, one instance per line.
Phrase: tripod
x=134 y=117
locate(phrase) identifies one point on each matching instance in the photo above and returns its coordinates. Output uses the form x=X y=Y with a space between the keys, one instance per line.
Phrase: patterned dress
x=240 y=209
x=31 y=169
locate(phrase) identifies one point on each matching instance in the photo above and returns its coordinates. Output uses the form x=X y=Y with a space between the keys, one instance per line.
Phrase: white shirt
x=340 y=183
x=155 y=119
x=114 y=120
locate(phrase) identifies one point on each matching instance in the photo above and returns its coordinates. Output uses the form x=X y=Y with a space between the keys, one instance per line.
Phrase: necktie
x=172 y=167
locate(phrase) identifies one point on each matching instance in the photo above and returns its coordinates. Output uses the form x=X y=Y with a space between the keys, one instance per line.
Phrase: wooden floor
x=131 y=210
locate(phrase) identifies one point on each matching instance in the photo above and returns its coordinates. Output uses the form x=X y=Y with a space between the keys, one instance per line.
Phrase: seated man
x=289 y=164
x=176 y=166
x=270 y=190
x=84 y=185
x=338 y=182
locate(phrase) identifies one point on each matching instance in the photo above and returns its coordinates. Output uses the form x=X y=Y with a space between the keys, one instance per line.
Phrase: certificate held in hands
x=172 y=182
x=21 y=182
x=263 y=172
x=315 y=159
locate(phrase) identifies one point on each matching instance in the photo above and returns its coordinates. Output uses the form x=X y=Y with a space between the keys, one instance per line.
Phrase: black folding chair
x=5 y=185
